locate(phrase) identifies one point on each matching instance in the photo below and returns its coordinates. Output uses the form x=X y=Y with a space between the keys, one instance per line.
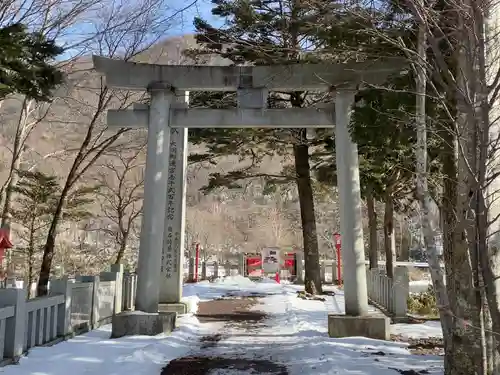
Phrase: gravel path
x=238 y=318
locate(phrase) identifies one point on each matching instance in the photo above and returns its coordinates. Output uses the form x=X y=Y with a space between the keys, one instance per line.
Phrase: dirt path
x=237 y=318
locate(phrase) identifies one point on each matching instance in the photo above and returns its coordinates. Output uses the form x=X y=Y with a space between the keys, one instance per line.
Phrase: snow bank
x=237 y=286
x=96 y=353
x=237 y=280
x=191 y=303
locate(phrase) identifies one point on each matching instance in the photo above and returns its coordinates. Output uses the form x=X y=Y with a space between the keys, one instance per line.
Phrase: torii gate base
x=162 y=234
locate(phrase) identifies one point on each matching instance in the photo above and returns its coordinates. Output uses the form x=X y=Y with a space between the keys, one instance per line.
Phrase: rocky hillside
x=54 y=133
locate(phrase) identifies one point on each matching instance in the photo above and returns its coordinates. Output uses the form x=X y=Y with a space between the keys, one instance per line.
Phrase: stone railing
x=128 y=291
x=72 y=307
x=389 y=294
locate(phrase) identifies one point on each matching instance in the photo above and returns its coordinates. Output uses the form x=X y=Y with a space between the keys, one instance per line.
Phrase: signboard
x=271 y=259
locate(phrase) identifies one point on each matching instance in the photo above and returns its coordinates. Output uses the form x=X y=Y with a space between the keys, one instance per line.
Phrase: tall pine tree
x=265 y=33
x=26 y=65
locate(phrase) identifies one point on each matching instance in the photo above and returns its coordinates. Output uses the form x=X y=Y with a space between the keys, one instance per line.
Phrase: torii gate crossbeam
x=164 y=198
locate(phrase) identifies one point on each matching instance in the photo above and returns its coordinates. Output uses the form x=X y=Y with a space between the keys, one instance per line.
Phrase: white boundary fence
x=390 y=294
x=72 y=307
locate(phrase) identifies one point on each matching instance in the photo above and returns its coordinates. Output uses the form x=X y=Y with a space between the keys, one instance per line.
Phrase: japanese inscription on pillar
x=173 y=244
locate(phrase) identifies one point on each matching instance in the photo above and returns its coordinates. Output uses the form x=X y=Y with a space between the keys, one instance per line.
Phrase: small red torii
x=4 y=243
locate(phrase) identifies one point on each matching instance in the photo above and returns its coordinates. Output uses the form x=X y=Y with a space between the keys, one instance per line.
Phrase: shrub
x=423 y=303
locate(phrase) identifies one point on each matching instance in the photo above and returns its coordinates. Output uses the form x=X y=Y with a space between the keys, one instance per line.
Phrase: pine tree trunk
x=50 y=244
x=459 y=349
x=372 y=225
x=312 y=279
x=389 y=238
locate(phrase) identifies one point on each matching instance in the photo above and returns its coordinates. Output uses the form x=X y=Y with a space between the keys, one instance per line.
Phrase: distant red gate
x=254 y=265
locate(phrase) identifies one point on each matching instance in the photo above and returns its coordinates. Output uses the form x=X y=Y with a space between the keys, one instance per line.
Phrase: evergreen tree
x=382 y=124
x=26 y=63
x=36 y=199
x=264 y=33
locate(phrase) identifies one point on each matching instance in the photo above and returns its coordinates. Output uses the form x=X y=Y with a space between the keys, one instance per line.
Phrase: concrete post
x=11 y=282
x=95 y=302
x=127 y=292
x=322 y=270
x=204 y=270
x=401 y=291
x=94 y=319
x=155 y=185
x=191 y=269
x=335 y=273
x=64 y=287
x=299 y=259
x=172 y=257
x=351 y=224
x=216 y=270
x=241 y=264
x=14 y=326
x=118 y=269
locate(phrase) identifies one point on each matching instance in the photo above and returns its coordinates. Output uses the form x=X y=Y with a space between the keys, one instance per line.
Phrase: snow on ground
x=418 y=331
x=296 y=335
x=95 y=353
x=236 y=286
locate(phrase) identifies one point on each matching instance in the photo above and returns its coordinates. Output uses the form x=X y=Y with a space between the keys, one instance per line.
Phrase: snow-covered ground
x=296 y=335
x=419 y=286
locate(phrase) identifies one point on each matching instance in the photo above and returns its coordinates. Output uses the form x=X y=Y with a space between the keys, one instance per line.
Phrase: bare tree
x=463 y=75
x=125 y=29
x=372 y=228
x=122 y=182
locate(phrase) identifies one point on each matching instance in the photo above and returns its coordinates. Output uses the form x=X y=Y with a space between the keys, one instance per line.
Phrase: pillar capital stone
x=346 y=89
x=160 y=86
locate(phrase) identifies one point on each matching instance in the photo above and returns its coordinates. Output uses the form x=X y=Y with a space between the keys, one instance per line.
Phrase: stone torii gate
x=167 y=118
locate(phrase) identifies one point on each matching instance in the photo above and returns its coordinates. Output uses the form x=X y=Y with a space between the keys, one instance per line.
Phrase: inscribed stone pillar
x=351 y=223
x=155 y=185
x=172 y=259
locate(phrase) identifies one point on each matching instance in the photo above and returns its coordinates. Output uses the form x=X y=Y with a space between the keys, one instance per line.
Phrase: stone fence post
x=94 y=320
x=128 y=289
x=65 y=287
x=191 y=269
x=15 y=325
x=116 y=275
x=299 y=259
x=401 y=291
x=204 y=270
x=242 y=264
x=216 y=270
